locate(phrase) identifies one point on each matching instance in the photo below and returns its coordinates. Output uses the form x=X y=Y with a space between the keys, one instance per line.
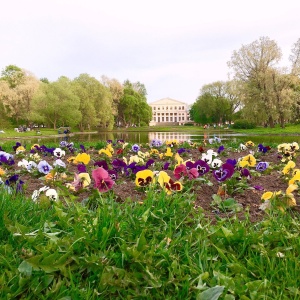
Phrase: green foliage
x=243 y=124
x=161 y=249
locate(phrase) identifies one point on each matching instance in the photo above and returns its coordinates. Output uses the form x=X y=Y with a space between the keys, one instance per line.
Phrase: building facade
x=169 y=111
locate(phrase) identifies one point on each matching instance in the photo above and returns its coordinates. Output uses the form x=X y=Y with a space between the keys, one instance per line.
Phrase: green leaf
x=142 y=242
x=145 y=215
x=25 y=268
x=211 y=294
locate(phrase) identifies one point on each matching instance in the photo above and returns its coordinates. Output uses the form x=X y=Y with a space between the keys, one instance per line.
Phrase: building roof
x=167 y=101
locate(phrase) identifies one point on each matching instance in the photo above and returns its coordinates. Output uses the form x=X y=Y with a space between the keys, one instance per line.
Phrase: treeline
x=84 y=102
x=260 y=91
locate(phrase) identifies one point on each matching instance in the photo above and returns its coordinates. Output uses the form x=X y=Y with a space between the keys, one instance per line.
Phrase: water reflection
x=145 y=137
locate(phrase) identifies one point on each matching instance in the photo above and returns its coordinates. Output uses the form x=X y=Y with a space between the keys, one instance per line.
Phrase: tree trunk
x=271 y=122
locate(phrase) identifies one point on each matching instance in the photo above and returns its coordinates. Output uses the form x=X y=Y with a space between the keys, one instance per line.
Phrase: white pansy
x=52 y=194
x=23 y=163
x=216 y=163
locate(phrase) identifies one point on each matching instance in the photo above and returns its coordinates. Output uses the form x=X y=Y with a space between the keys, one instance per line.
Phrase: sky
x=173 y=47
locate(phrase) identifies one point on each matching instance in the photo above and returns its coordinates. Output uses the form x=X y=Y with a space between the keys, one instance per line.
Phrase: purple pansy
x=135 y=148
x=225 y=172
x=44 y=167
x=101 y=163
x=262 y=166
x=201 y=166
x=81 y=168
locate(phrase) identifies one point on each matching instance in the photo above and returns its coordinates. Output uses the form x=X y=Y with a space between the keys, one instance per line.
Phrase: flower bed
x=222 y=180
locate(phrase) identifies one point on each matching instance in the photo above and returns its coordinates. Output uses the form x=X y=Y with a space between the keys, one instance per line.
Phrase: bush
x=188 y=124
x=243 y=124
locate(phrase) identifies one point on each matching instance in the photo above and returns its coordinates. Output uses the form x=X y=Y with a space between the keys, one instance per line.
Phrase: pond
x=145 y=137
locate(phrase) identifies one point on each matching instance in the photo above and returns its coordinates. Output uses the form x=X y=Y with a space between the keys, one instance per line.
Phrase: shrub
x=243 y=124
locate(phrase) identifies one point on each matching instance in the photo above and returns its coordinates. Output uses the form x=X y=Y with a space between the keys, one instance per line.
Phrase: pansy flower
x=262 y=166
x=144 y=178
x=59 y=163
x=288 y=167
x=118 y=165
x=135 y=148
x=180 y=171
x=249 y=144
x=17 y=145
x=216 y=163
x=81 y=168
x=247 y=161
x=220 y=149
x=167 y=183
x=15 y=181
x=58 y=152
x=44 y=167
x=101 y=163
x=20 y=149
x=150 y=163
x=193 y=173
x=83 y=158
x=2 y=172
x=154 y=152
x=103 y=182
x=224 y=172
x=243 y=147
x=112 y=174
x=168 y=153
x=106 y=152
x=52 y=194
x=201 y=166
x=231 y=161
x=81 y=180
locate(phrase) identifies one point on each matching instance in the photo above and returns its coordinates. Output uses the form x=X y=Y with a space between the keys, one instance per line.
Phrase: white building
x=168 y=110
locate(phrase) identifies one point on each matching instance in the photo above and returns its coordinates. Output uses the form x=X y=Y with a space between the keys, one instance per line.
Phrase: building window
x=167 y=119
x=162 y=119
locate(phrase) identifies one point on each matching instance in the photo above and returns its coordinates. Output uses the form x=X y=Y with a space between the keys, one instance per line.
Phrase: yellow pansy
x=144 y=177
x=269 y=195
x=288 y=167
x=154 y=152
x=291 y=188
x=2 y=172
x=135 y=158
x=85 y=179
x=83 y=158
x=169 y=152
x=179 y=159
x=110 y=148
x=295 y=178
x=249 y=144
x=34 y=146
x=167 y=183
x=105 y=151
x=247 y=161
x=20 y=149
x=73 y=160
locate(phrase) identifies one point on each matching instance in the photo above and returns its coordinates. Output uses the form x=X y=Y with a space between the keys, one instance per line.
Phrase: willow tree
x=252 y=64
x=17 y=88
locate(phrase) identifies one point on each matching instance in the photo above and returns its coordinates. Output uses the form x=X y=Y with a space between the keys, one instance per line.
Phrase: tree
x=87 y=89
x=216 y=103
x=252 y=65
x=57 y=104
x=17 y=88
x=116 y=90
x=295 y=59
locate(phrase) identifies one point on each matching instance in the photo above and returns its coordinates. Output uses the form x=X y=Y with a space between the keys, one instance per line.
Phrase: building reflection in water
x=166 y=136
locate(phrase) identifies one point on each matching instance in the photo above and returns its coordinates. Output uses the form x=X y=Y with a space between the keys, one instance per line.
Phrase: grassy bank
x=161 y=249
